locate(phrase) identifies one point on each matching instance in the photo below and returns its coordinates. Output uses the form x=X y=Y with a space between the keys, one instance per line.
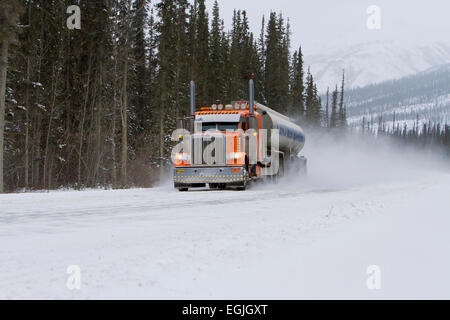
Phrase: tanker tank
x=292 y=138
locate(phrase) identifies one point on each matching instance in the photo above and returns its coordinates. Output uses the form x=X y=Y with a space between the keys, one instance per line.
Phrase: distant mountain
x=425 y=95
x=374 y=62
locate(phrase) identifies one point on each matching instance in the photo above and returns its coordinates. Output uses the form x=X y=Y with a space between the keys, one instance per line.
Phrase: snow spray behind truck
x=232 y=145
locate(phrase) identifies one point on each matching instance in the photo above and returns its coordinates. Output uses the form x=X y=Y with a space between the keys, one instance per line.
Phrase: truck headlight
x=182 y=156
x=235 y=155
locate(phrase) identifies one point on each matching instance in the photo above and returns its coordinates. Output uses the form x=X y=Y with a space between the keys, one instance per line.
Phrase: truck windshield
x=224 y=126
x=220 y=126
x=208 y=126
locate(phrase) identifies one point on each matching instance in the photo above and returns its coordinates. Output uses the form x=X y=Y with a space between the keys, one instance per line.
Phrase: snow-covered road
x=266 y=242
x=360 y=206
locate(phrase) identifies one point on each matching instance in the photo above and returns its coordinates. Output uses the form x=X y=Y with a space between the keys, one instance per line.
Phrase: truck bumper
x=185 y=177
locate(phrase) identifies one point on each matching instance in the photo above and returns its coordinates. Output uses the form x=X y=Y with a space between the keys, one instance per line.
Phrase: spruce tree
x=334 y=111
x=342 y=121
x=276 y=73
x=140 y=82
x=192 y=37
x=260 y=80
x=234 y=63
x=272 y=61
x=326 y=120
x=297 y=86
x=312 y=102
x=217 y=69
x=167 y=57
x=317 y=107
x=284 y=81
x=202 y=54
x=246 y=56
x=181 y=70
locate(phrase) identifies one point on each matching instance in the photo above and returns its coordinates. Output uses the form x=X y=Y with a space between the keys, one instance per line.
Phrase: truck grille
x=215 y=147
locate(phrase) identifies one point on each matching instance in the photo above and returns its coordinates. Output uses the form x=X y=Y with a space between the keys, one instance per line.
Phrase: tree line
x=426 y=135
x=96 y=106
x=425 y=93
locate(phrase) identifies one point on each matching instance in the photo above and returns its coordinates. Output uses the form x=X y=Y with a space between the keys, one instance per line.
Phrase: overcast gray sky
x=319 y=24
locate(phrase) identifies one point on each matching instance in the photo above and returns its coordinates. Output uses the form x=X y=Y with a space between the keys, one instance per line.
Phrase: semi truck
x=233 y=145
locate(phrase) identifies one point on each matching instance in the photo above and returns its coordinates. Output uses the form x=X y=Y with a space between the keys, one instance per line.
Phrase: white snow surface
x=359 y=206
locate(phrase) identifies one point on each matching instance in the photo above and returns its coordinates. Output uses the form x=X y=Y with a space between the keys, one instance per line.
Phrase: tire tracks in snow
x=117 y=211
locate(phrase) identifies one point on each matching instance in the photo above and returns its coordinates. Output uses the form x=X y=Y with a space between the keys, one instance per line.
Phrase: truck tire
x=276 y=177
x=280 y=173
x=243 y=187
x=183 y=189
x=303 y=166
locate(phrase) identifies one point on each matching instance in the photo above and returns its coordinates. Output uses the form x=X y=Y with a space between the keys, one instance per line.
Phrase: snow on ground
x=310 y=239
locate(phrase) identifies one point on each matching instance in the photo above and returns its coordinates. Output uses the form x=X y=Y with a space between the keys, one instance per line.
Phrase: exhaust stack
x=253 y=122
x=192 y=98
x=251 y=89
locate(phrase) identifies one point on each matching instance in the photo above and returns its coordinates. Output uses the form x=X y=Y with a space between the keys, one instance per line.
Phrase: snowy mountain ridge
x=424 y=96
x=375 y=62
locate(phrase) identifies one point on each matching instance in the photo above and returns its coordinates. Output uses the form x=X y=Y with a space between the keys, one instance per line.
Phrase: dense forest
x=95 y=106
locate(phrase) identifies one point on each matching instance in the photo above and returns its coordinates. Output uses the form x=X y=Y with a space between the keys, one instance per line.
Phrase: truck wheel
x=276 y=177
x=280 y=173
x=183 y=189
x=303 y=166
x=242 y=188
